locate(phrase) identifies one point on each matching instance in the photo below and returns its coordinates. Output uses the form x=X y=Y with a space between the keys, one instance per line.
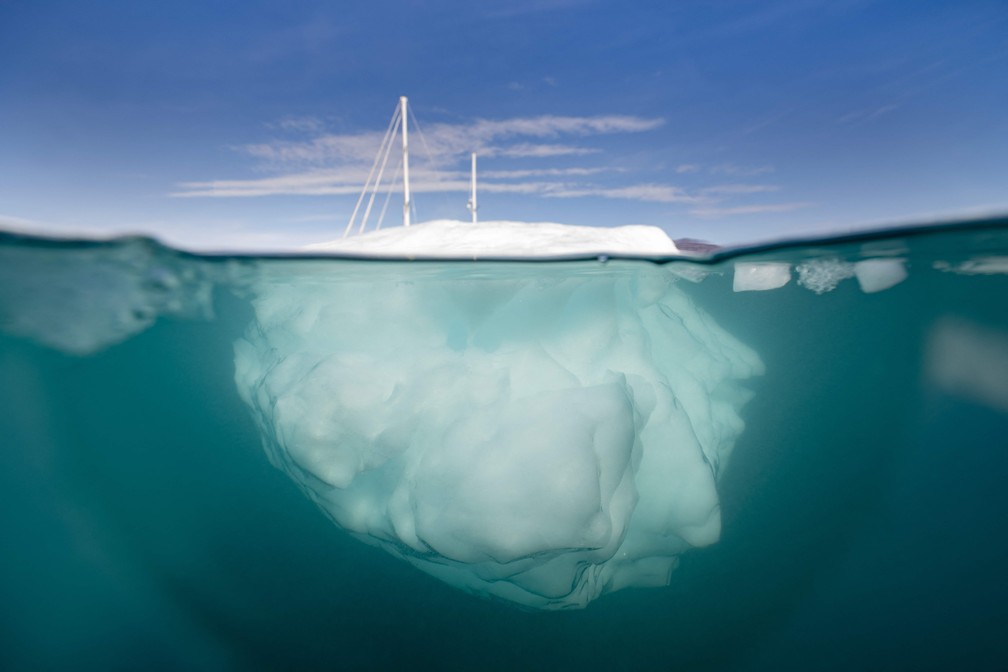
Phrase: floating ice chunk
x=760 y=275
x=969 y=360
x=992 y=265
x=81 y=300
x=541 y=434
x=823 y=275
x=875 y=275
x=689 y=271
x=448 y=238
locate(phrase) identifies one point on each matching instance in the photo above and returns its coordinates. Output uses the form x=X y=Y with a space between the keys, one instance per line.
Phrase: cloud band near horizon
x=327 y=164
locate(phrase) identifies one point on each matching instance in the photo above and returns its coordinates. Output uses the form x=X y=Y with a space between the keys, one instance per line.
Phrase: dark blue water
x=863 y=509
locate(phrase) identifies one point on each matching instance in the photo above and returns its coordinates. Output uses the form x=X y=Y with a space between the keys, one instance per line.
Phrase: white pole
x=472 y=198
x=405 y=163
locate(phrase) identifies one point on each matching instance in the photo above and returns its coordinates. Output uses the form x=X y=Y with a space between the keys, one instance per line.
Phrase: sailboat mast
x=405 y=163
x=472 y=197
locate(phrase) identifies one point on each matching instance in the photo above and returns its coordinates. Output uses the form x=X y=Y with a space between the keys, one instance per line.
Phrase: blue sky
x=253 y=124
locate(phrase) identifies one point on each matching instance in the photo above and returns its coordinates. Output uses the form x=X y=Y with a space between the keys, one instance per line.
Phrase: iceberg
x=535 y=434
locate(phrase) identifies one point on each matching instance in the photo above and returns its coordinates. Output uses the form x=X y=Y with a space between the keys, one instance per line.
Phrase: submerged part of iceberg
x=82 y=299
x=533 y=433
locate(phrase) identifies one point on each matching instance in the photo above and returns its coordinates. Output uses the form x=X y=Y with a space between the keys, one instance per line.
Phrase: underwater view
x=790 y=456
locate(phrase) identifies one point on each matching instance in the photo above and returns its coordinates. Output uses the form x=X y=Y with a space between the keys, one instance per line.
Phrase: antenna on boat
x=405 y=164
x=472 y=198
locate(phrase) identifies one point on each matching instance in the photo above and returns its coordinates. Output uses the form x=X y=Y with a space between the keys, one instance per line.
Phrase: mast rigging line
x=399 y=124
x=430 y=155
x=388 y=195
x=377 y=185
x=386 y=140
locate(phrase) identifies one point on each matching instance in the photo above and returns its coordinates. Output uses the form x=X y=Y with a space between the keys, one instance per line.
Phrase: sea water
x=861 y=513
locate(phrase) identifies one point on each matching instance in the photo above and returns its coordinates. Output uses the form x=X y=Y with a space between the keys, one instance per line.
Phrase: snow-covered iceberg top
x=453 y=239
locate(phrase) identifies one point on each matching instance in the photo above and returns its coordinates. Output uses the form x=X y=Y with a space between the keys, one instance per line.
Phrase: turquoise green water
x=862 y=509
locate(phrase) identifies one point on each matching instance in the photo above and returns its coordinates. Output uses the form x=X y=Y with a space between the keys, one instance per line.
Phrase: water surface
x=861 y=511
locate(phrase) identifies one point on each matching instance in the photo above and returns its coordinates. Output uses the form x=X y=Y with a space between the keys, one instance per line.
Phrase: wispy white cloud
x=762 y=208
x=315 y=183
x=724 y=169
x=738 y=189
x=336 y=164
x=547 y=182
x=657 y=193
x=327 y=164
x=552 y=125
x=511 y=137
x=448 y=141
x=328 y=183
x=300 y=124
x=860 y=116
x=528 y=150
x=318 y=151
x=738 y=170
x=543 y=172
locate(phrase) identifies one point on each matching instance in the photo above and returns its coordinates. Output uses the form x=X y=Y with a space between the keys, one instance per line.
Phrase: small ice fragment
x=759 y=276
x=875 y=275
x=823 y=275
x=695 y=273
x=969 y=361
x=992 y=265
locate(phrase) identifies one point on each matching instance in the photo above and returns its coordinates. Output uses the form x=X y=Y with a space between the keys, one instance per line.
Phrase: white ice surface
x=448 y=238
x=760 y=275
x=990 y=265
x=876 y=275
x=823 y=274
x=540 y=434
